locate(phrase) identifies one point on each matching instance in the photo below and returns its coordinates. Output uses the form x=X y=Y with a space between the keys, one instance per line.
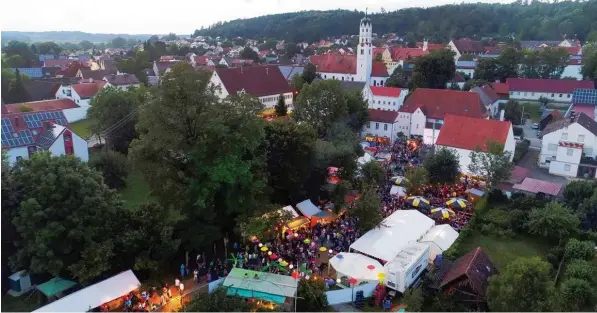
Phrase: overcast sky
x=161 y=17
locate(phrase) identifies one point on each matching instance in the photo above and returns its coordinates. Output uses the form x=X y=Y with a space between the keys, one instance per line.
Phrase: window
x=362 y=51
x=567 y=167
x=588 y=151
x=376 y=125
x=570 y=152
x=581 y=138
x=552 y=147
x=417 y=126
x=342 y=78
x=552 y=95
x=525 y=93
x=511 y=93
x=378 y=101
x=325 y=76
x=369 y=51
x=34 y=132
x=352 y=79
x=374 y=83
x=384 y=102
x=385 y=126
x=564 y=136
x=518 y=93
x=561 y=95
x=63 y=91
x=568 y=96
x=532 y=93
x=77 y=101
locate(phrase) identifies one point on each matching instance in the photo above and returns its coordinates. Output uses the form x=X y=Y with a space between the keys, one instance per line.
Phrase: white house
x=264 y=82
x=564 y=144
x=466 y=67
x=465 y=134
x=423 y=111
x=553 y=89
x=80 y=94
x=122 y=81
x=26 y=133
x=382 y=124
x=351 y=67
x=384 y=98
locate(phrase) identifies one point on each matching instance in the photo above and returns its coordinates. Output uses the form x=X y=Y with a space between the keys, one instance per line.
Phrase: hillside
x=541 y=21
x=65 y=36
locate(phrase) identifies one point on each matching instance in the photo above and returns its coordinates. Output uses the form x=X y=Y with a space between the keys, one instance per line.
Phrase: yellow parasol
x=264 y=248
x=323 y=249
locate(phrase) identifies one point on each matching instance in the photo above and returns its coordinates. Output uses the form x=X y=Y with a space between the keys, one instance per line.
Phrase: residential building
x=464 y=134
x=467 y=68
x=264 y=82
x=81 y=94
x=423 y=111
x=384 y=98
x=122 y=81
x=400 y=55
x=24 y=133
x=41 y=89
x=569 y=147
x=554 y=90
x=502 y=90
x=382 y=124
x=489 y=99
x=90 y=75
x=585 y=100
x=289 y=71
x=465 y=46
x=573 y=68
x=160 y=68
x=72 y=111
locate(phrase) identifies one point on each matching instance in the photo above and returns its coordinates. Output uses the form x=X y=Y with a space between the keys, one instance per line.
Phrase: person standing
x=182 y=270
x=195 y=274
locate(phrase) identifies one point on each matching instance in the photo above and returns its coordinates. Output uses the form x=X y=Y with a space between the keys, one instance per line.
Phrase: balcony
x=585 y=160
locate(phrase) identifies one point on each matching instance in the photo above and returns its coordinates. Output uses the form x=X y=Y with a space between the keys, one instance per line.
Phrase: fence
x=348 y=294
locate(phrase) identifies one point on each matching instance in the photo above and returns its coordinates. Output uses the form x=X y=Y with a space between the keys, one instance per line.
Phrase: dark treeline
x=535 y=20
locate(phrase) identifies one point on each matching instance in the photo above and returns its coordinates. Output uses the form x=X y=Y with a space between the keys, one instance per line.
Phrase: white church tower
x=365 y=50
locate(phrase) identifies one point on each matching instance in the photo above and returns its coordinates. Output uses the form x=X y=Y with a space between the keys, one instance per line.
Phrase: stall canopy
x=395 y=232
x=356 y=265
x=398 y=191
x=308 y=208
x=95 y=295
x=266 y=286
x=290 y=210
x=532 y=185
x=366 y=158
x=439 y=239
x=55 y=286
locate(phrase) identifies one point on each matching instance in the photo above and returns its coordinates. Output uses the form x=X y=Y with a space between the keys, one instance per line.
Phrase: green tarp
x=55 y=286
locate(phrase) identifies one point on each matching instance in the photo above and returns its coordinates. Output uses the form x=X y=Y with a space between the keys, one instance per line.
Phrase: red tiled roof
x=72 y=69
x=475 y=266
x=491 y=94
x=345 y=63
x=572 y=50
x=18 y=123
x=436 y=103
x=575 y=61
x=471 y=133
x=385 y=91
x=383 y=116
x=45 y=105
x=548 y=85
x=62 y=64
x=519 y=173
x=256 y=81
x=534 y=186
x=435 y=46
x=88 y=90
x=379 y=69
x=201 y=60
x=403 y=54
x=501 y=88
x=467 y=45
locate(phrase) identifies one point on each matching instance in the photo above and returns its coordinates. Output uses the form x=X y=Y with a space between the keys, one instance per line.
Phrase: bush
x=518 y=131
x=25 y=108
x=521 y=149
x=113 y=166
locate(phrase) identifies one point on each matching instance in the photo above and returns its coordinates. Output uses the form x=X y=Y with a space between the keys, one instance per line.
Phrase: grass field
x=136 y=191
x=502 y=251
x=81 y=128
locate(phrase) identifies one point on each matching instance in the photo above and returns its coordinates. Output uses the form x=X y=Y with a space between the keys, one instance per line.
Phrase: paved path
x=191 y=289
x=345 y=307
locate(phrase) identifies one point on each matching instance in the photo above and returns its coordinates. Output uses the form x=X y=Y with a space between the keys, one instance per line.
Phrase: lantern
x=291 y=266
x=352 y=281
x=260 y=245
x=371 y=267
x=280 y=260
x=331 y=251
x=338 y=280
x=264 y=249
x=322 y=249
x=269 y=253
x=307 y=277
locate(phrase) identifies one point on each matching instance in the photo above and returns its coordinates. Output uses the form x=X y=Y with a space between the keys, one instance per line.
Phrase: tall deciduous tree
x=589 y=68
x=63 y=232
x=554 y=221
x=416 y=178
x=218 y=301
x=321 y=104
x=413 y=298
x=578 y=295
x=86 y=45
x=249 y=54
x=553 y=62
x=508 y=62
x=309 y=73
x=397 y=79
x=281 y=109
x=48 y=47
x=373 y=174
x=113 y=112
x=312 y=297
x=117 y=42
x=113 y=166
x=513 y=112
x=487 y=69
x=581 y=269
x=525 y=285
x=265 y=224
x=531 y=63
x=436 y=68
x=443 y=166
x=492 y=163
x=579 y=250
x=367 y=208
x=577 y=191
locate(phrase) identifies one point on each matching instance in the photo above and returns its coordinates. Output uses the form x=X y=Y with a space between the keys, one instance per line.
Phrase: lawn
x=533 y=109
x=502 y=251
x=81 y=128
x=24 y=303
x=136 y=191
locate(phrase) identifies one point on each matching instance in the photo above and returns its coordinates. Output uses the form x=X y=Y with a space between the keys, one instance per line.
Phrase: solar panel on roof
x=584 y=96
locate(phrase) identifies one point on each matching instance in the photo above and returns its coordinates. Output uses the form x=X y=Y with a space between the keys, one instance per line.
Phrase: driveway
x=529 y=161
x=531 y=135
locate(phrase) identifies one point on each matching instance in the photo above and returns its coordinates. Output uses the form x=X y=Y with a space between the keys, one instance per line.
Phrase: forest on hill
x=523 y=21
x=66 y=36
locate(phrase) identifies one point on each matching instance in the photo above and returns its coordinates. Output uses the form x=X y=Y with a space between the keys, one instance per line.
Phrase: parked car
x=535 y=125
x=538 y=134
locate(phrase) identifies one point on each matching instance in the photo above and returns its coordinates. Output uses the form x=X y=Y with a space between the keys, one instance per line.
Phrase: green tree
x=417 y=80
x=13 y=90
x=416 y=178
x=492 y=163
x=201 y=155
x=64 y=232
x=297 y=83
x=397 y=79
x=553 y=62
x=113 y=112
x=443 y=166
x=525 y=285
x=589 y=68
x=454 y=86
x=48 y=47
x=15 y=61
x=289 y=156
x=136 y=65
x=579 y=250
x=239 y=42
x=312 y=297
x=117 y=42
x=263 y=223
x=577 y=191
x=372 y=174
x=508 y=62
x=513 y=112
x=413 y=298
x=113 y=166
x=227 y=44
x=577 y=295
x=218 y=301
x=280 y=107
x=531 y=64
x=320 y=104
x=309 y=73
x=15 y=47
x=466 y=57
x=170 y=36
x=487 y=69
x=86 y=45
x=581 y=269
x=249 y=54
x=554 y=221
x=268 y=45
x=437 y=68
x=291 y=49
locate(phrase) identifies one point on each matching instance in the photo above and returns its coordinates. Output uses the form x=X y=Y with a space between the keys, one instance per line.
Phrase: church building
x=350 y=67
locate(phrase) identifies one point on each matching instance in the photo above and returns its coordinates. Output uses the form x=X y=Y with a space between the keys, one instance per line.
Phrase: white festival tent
x=395 y=232
x=95 y=295
x=355 y=265
x=290 y=210
x=439 y=239
x=398 y=191
x=366 y=158
x=308 y=208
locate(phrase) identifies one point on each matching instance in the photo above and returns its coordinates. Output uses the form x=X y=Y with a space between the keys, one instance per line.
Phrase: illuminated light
x=260 y=245
x=295 y=235
x=307 y=277
x=269 y=253
x=338 y=280
x=291 y=266
x=331 y=251
x=280 y=260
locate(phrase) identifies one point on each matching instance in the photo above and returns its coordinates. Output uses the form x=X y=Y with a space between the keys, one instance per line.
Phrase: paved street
x=531 y=135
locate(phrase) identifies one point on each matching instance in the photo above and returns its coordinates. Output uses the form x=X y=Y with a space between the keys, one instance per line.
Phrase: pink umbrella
x=371 y=267
x=352 y=281
x=273 y=256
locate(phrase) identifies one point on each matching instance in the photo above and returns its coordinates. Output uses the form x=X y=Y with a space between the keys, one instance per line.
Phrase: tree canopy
x=494 y=165
x=443 y=166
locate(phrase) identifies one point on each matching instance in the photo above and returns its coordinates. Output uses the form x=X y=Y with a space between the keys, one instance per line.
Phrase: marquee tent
x=356 y=265
x=439 y=239
x=398 y=191
x=395 y=232
x=95 y=295
x=366 y=158
x=267 y=286
x=290 y=210
x=308 y=208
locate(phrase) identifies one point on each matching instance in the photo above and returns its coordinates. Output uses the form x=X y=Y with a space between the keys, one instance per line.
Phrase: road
x=531 y=135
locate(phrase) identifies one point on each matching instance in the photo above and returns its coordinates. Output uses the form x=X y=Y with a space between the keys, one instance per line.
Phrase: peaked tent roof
x=308 y=208
x=442 y=235
x=476 y=266
x=257 y=81
x=456 y=132
x=436 y=103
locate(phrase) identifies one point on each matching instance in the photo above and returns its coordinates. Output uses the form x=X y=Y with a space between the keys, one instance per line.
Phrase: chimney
x=502 y=113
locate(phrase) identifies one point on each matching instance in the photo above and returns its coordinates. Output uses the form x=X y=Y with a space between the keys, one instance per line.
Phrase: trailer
x=407 y=266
